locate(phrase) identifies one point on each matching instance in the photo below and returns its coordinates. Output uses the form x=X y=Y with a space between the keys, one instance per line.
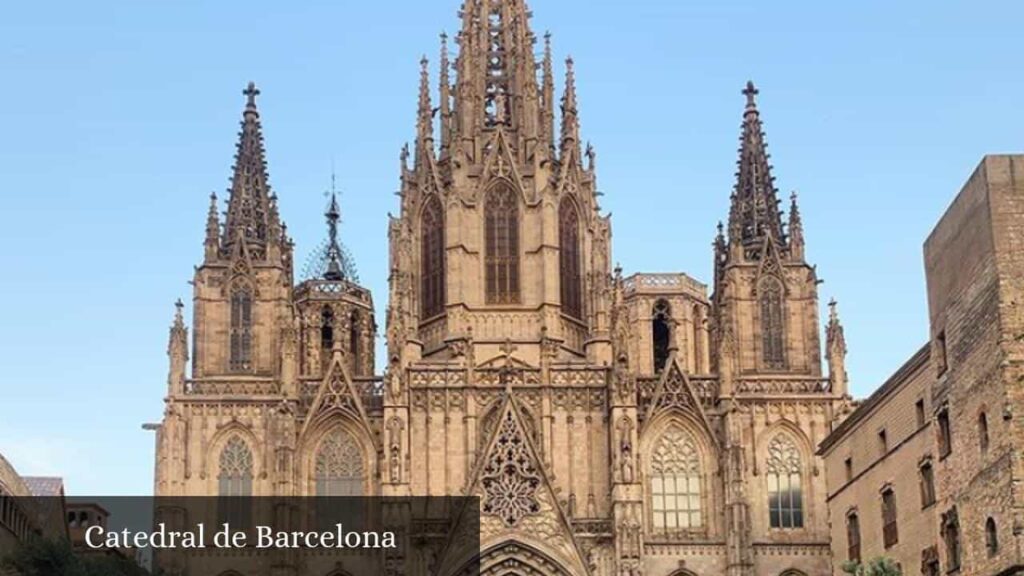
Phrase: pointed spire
x=212 y=243
x=570 y=119
x=796 y=230
x=336 y=269
x=835 y=344
x=548 y=88
x=249 y=203
x=497 y=84
x=755 y=211
x=425 y=114
x=446 y=97
x=177 y=348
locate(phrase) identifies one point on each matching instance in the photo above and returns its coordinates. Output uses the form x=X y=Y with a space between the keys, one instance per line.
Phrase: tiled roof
x=45 y=485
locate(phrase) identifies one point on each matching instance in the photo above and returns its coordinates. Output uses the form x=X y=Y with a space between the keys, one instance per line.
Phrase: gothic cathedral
x=610 y=425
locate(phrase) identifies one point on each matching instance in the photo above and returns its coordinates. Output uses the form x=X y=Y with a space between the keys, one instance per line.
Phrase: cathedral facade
x=610 y=424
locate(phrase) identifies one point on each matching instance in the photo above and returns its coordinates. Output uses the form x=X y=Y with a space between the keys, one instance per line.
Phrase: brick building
x=928 y=469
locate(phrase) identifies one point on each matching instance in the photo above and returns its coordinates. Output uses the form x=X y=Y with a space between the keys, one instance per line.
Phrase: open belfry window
x=661 y=333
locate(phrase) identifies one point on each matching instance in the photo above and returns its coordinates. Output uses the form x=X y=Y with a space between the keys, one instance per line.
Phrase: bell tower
x=765 y=302
x=243 y=286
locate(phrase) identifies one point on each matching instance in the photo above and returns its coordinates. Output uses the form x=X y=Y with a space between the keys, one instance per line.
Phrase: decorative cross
x=750 y=92
x=251 y=92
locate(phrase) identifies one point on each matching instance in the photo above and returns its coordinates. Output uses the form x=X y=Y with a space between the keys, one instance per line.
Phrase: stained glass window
x=234 y=482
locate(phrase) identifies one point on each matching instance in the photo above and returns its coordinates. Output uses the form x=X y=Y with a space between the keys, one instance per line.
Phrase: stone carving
x=510 y=477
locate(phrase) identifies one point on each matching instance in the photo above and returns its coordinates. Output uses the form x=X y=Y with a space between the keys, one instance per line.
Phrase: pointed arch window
x=240 y=354
x=661 y=333
x=326 y=336
x=785 y=493
x=234 y=482
x=338 y=467
x=676 y=483
x=502 y=246
x=983 y=433
x=773 y=346
x=570 y=276
x=432 y=270
x=991 y=538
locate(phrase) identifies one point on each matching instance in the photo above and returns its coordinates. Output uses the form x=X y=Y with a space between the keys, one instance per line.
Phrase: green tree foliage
x=41 y=557
x=880 y=566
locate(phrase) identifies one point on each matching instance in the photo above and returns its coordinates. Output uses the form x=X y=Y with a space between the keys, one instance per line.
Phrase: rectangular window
x=853 y=537
x=919 y=411
x=883 y=442
x=890 y=533
x=945 y=435
x=927 y=485
x=941 y=361
x=848 y=466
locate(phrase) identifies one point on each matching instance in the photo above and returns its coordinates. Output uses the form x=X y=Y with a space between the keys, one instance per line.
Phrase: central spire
x=497 y=73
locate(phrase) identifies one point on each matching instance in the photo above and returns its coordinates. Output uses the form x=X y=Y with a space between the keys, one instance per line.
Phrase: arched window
x=354 y=350
x=853 y=537
x=983 y=432
x=785 y=496
x=661 y=333
x=571 y=279
x=326 y=330
x=338 y=468
x=241 y=330
x=676 y=482
x=502 y=241
x=234 y=482
x=991 y=537
x=432 y=272
x=773 y=344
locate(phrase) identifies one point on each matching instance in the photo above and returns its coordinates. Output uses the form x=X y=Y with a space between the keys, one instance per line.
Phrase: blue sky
x=117 y=119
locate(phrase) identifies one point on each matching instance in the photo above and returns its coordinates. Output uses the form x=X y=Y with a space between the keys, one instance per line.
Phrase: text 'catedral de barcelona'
x=610 y=424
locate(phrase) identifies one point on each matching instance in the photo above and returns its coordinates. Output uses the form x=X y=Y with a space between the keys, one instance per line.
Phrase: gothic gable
x=674 y=392
x=336 y=395
x=517 y=499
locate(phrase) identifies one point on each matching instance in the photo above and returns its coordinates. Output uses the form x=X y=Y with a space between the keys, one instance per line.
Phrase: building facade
x=943 y=495
x=609 y=424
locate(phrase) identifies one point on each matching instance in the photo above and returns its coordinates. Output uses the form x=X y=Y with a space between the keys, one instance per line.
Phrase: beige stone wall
x=909 y=442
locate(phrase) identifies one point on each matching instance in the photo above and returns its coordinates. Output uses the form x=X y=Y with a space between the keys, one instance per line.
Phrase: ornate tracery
x=502 y=245
x=234 y=482
x=510 y=477
x=570 y=277
x=676 y=482
x=338 y=468
x=785 y=494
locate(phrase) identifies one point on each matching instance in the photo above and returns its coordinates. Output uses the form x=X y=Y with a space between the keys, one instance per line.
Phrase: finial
x=179 y=320
x=179 y=305
x=334 y=270
x=250 y=93
x=833 y=314
x=423 y=64
x=751 y=92
x=721 y=228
